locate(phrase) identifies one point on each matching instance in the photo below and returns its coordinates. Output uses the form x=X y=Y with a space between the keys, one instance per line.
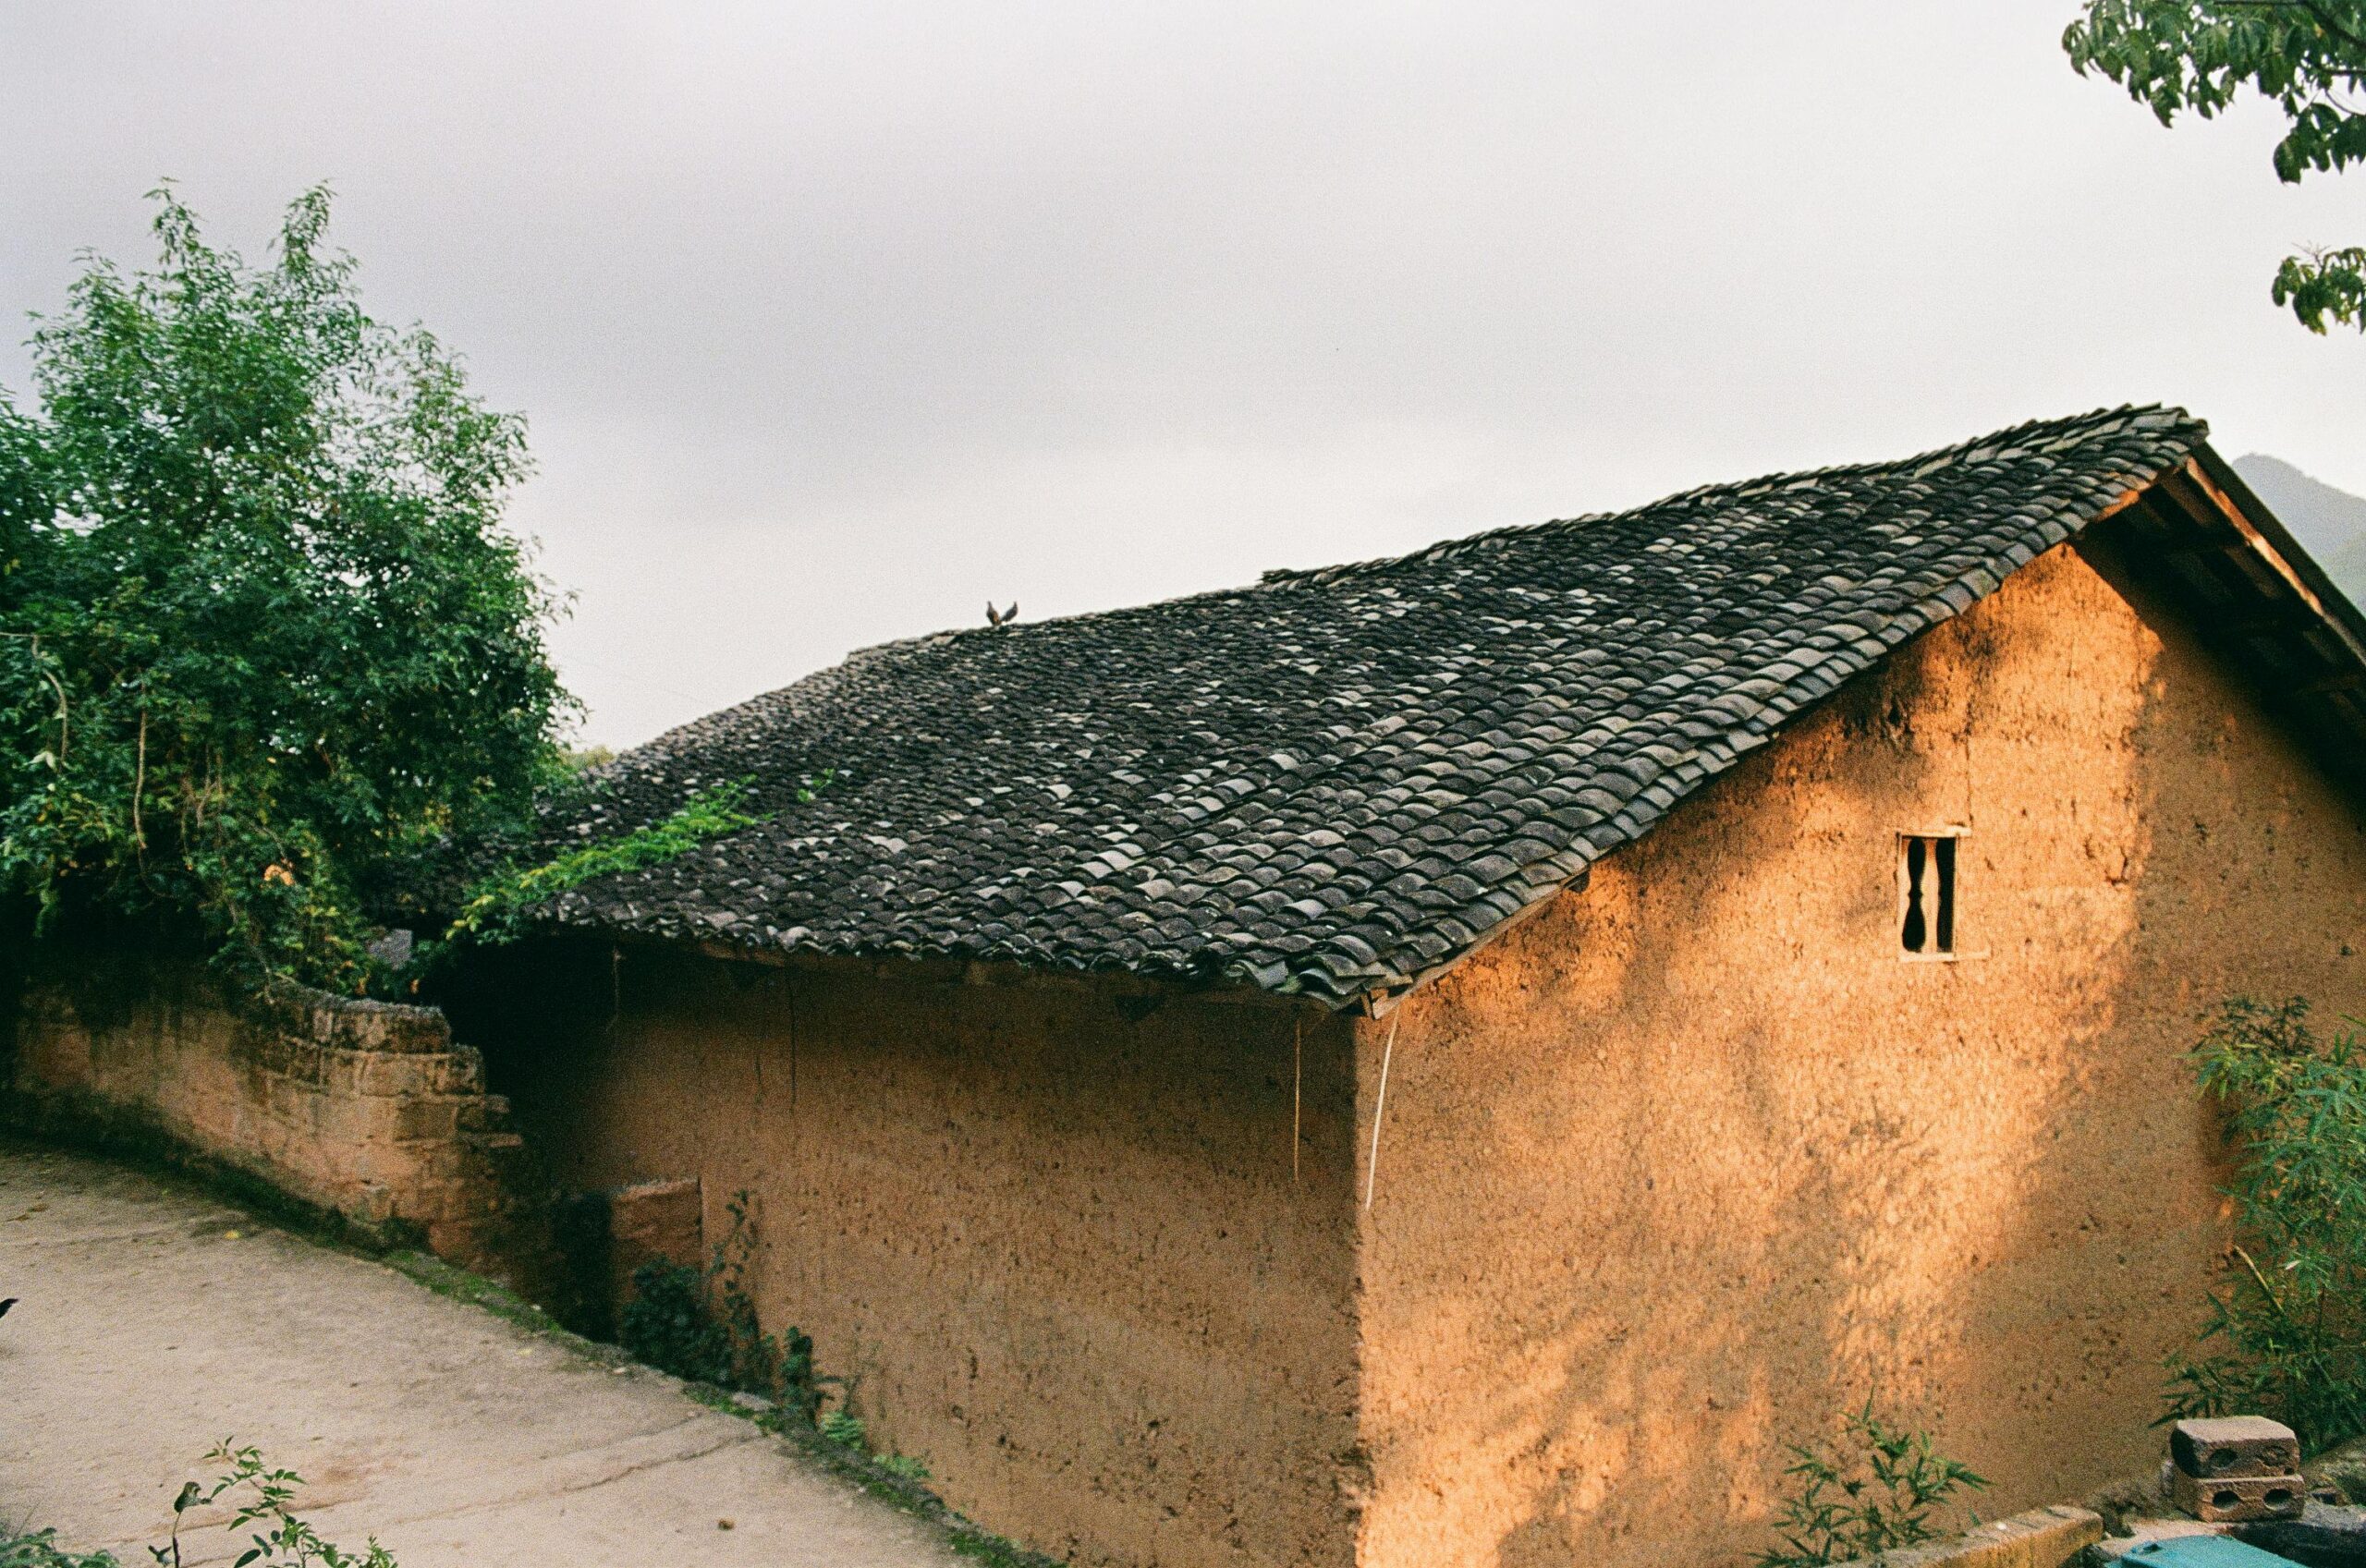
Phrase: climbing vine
x=496 y=906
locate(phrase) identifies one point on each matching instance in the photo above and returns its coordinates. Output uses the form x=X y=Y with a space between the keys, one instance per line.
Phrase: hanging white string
x=1298 y=1096
x=1379 y=1106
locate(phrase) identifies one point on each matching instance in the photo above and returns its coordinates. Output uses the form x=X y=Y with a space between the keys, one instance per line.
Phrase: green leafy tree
x=262 y=632
x=2306 y=57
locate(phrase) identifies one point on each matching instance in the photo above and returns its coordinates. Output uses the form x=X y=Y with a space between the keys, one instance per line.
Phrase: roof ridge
x=1288 y=576
x=2091 y=423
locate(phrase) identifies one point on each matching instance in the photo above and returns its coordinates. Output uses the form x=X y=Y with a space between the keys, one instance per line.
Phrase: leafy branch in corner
x=2306 y=57
x=39 y=1548
x=266 y=1497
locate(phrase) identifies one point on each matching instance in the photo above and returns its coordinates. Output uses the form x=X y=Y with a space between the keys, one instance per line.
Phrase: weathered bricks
x=2235 y=1467
x=2234 y=1445
x=365 y=1109
x=654 y=1220
x=2216 y=1498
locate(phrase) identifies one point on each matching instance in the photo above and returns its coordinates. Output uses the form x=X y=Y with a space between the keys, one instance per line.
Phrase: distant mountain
x=2329 y=523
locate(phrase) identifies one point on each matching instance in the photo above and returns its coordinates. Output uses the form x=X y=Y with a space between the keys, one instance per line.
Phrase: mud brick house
x=1457 y=1060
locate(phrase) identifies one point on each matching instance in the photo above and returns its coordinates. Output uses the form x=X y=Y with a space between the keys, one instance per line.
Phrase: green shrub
x=257 y=1496
x=261 y=1495
x=1880 y=1488
x=2285 y=1336
x=263 y=636
x=668 y=1324
x=701 y=1325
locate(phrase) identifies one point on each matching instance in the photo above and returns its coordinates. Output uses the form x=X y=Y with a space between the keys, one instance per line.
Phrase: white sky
x=832 y=321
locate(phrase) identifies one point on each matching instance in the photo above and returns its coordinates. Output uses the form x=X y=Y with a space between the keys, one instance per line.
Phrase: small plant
x=2289 y=1325
x=39 y=1548
x=1880 y=1488
x=845 y=1428
x=702 y=1325
x=263 y=1496
x=781 y=1369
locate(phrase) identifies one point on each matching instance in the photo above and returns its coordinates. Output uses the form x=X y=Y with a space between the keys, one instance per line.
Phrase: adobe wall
x=364 y=1110
x=1694 y=1161
x=1047 y=1228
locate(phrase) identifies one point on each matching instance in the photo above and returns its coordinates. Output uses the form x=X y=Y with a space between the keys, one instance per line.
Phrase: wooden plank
x=2267 y=556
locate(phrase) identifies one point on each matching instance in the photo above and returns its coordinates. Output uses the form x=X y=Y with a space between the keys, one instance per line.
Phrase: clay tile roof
x=1335 y=781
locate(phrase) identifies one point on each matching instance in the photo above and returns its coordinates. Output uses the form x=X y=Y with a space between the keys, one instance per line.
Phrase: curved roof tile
x=1334 y=781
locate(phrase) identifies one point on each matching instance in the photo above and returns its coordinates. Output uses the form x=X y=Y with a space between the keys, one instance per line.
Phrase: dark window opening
x=1927 y=893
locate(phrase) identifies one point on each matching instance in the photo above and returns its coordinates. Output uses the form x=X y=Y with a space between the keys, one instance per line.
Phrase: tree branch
x=2312 y=9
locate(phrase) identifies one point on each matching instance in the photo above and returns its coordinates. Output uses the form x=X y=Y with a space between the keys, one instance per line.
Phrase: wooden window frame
x=1956 y=953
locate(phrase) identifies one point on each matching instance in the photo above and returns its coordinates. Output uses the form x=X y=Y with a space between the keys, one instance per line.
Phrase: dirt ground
x=154 y=1321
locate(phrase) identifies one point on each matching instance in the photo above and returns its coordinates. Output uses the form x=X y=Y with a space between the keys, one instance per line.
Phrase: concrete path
x=155 y=1321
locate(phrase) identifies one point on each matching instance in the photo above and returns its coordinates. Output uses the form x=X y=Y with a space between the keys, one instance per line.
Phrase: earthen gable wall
x=1694 y=1161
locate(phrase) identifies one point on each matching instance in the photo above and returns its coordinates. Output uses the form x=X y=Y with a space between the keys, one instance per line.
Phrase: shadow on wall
x=1752 y=1165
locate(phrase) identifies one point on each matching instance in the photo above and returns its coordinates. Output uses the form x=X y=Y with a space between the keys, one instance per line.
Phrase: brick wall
x=364 y=1110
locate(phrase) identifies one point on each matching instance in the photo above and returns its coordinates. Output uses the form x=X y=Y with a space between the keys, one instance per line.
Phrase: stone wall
x=360 y=1110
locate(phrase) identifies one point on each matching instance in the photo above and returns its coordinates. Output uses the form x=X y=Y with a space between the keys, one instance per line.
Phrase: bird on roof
x=5 y=1304
x=1001 y=617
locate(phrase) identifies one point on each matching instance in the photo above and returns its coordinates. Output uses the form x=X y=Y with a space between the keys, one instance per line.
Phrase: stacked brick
x=2235 y=1467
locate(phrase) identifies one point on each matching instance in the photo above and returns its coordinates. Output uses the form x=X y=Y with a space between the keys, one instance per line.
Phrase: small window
x=1926 y=894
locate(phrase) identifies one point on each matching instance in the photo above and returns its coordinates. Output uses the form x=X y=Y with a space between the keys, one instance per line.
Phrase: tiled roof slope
x=1337 y=780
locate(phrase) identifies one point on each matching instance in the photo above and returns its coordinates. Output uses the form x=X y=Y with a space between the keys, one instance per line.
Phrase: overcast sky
x=832 y=321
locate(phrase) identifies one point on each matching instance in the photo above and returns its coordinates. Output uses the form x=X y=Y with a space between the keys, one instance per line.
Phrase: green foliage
x=39 y=1548
x=701 y=1325
x=2289 y=1325
x=668 y=1324
x=260 y=1495
x=1881 y=1489
x=495 y=908
x=262 y=634
x=845 y=1428
x=2307 y=57
x=256 y=1494
x=2325 y=284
